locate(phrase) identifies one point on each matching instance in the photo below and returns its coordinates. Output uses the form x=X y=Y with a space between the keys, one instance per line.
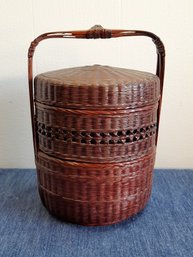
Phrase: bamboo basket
x=95 y=132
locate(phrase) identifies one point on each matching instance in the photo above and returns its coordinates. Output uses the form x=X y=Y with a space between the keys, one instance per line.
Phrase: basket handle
x=95 y=32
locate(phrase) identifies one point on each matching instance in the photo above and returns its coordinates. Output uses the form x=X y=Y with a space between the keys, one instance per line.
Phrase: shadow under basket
x=95 y=132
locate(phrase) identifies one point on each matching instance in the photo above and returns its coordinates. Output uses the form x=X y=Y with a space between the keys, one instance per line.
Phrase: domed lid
x=97 y=86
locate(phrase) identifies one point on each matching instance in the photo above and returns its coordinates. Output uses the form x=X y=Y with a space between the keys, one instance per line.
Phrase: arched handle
x=95 y=32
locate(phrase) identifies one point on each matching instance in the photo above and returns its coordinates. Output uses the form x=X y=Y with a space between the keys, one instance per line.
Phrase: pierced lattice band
x=85 y=137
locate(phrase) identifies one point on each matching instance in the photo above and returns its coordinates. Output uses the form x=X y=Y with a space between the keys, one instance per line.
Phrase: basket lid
x=97 y=86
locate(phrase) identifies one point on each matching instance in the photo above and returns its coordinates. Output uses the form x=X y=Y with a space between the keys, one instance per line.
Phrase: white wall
x=22 y=20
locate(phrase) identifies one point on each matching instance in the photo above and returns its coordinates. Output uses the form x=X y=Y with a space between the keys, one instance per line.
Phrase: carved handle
x=95 y=32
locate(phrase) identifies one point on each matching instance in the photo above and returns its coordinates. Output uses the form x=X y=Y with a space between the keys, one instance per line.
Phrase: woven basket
x=95 y=132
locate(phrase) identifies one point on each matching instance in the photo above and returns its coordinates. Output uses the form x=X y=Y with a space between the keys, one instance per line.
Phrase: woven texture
x=96 y=133
x=164 y=229
x=107 y=136
x=94 y=194
x=96 y=87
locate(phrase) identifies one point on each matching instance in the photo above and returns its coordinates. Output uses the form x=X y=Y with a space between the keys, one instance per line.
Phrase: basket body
x=96 y=135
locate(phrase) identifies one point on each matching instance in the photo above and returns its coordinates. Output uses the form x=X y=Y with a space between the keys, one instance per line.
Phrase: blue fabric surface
x=164 y=228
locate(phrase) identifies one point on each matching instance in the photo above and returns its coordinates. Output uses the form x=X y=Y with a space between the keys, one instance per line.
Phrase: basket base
x=88 y=214
x=94 y=194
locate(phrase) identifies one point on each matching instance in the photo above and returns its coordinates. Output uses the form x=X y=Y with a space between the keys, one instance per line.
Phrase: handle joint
x=98 y=31
x=159 y=45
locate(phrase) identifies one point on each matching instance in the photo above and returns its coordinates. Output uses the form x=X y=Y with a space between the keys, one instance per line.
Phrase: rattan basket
x=95 y=132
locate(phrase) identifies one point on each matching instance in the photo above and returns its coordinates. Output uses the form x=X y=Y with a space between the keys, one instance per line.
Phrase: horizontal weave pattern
x=94 y=194
x=135 y=129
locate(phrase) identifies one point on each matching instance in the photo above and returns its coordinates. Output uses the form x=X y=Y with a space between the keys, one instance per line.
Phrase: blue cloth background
x=164 y=228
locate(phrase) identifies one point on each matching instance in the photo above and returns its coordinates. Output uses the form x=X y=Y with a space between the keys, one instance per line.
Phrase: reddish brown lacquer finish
x=95 y=131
